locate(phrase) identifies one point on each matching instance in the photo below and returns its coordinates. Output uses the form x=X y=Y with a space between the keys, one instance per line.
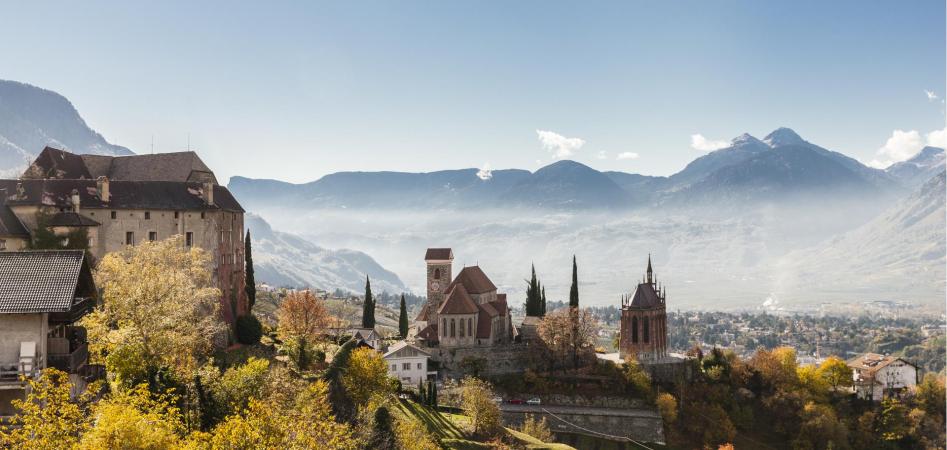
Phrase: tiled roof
x=474 y=280
x=438 y=254
x=123 y=194
x=423 y=315
x=39 y=280
x=10 y=225
x=458 y=302
x=873 y=362
x=429 y=333
x=500 y=304
x=176 y=166
x=645 y=297
x=71 y=219
x=394 y=349
x=55 y=163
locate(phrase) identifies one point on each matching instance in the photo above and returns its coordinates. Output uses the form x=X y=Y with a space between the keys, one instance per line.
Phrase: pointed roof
x=439 y=254
x=38 y=281
x=474 y=280
x=458 y=302
x=58 y=164
x=645 y=297
x=401 y=345
x=429 y=333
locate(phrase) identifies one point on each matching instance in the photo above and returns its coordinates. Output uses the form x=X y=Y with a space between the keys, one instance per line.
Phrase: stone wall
x=498 y=360
x=670 y=370
x=646 y=426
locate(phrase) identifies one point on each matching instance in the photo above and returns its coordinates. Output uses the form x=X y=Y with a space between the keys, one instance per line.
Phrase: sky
x=296 y=90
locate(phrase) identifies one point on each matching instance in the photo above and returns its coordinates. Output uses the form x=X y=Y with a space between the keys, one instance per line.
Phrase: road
x=580 y=410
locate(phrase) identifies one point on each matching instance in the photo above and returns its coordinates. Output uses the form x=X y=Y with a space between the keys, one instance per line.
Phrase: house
x=124 y=200
x=877 y=377
x=368 y=336
x=464 y=312
x=408 y=363
x=42 y=295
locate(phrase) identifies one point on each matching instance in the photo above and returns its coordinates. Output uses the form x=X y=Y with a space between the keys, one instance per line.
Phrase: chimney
x=208 y=193
x=75 y=200
x=102 y=183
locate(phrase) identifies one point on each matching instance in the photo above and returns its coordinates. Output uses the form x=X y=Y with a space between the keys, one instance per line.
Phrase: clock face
x=435 y=286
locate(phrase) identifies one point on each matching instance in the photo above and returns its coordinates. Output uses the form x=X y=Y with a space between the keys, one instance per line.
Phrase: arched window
x=634 y=330
x=437 y=274
x=444 y=328
x=452 y=328
x=470 y=327
x=462 y=334
x=647 y=330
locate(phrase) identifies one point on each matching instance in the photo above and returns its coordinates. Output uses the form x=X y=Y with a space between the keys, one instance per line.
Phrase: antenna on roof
x=152 y=143
x=188 y=141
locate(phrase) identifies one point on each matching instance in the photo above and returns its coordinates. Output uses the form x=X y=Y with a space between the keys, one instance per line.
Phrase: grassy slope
x=450 y=429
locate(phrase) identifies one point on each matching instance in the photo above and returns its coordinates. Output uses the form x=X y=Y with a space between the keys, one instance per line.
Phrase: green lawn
x=450 y=429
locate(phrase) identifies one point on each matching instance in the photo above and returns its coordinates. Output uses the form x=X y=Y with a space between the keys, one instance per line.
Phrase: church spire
x=650 y=272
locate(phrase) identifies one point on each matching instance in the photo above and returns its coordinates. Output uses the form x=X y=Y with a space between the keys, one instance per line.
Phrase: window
x=152 y=235
x=3 y=244
x=437 y=274
x=419 y=366
x=647 y=330
x=129 y=238
x=114 y=214
x=202 y=214
x=444 y=328
x=452 y=322
x=147 y=215
x=405 y=366
x=189 y=239
x=470 y=327
x=462 y=334
x=634 y=330
x=394 y=367
x=177 y=214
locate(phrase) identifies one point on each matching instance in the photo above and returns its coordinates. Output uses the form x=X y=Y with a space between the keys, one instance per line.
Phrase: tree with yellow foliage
x=301 y=320
x=836 y=372
x=48 y=418
x=366 y=376
x=477 y=402
x=135 y=419
x=160 y=308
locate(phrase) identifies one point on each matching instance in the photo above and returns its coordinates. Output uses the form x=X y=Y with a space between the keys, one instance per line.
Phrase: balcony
x=69 y=362
x=67 y=348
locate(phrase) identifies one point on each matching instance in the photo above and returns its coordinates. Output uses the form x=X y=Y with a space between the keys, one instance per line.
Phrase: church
x=643 y=333
x=462 y=312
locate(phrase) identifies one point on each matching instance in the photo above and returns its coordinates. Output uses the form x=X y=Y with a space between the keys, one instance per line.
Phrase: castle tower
x=439 y=263
x=643 y=332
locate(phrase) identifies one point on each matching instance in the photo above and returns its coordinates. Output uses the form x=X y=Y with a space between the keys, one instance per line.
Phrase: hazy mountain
x=741 y=148
x=900 y=255
x=567 y=185
x=32 y=118
x=921 y=167
x=284 y=259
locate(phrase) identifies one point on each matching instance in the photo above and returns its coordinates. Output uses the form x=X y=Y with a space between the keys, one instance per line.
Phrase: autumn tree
x=366 y=376
x=820 y=428
x=667 y=406
x=477 y=402
x=48 y=418
x=836 y=372
x=160 y=300
x=538 y=429
x=301 y=320
x=569 y=333
x=135 y=418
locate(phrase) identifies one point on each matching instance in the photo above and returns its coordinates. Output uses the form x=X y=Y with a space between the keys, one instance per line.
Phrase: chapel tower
x=643 y=333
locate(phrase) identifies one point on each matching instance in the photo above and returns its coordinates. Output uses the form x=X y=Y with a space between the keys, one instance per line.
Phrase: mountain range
x=32 y=118
x=782 y=167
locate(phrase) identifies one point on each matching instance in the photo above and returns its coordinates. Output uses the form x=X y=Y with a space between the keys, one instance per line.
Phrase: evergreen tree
x=343 y=408
x=432 y=394
x=421 y=391
x=542 y=310
x=574 y=291
x=383 y=435
x=368 y=307
x=248 y=270
x=532 y=305
x=403 y=319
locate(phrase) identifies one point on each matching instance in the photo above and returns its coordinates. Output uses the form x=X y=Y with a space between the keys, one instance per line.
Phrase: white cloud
x=601 y=155
x=486 y=172
x=559 y=145
x=937 y=138
x=627 y=155
x=901 y=145
x=931 y=96
x=699 y=142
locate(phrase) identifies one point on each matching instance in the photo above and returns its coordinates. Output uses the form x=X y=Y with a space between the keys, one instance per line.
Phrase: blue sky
x=296 y=90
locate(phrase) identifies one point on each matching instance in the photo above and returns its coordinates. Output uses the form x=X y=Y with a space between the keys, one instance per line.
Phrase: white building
x=408 y=363
x=877 y=377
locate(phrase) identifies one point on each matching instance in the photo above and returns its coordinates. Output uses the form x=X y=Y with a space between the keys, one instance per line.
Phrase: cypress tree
x=574 y=291
x=421 y=391
x=248 y=271
x=368 y=307
x=542 y=310
x=532 y=305
x=403 y=319
x=432 y=395
x=342 y=406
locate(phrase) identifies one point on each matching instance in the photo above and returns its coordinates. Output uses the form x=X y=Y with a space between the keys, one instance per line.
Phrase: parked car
x=534 y=401
x=498 y=399
x=516 y=401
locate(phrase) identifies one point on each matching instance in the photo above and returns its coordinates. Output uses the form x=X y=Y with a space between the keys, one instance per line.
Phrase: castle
x=462 y=312
x=124 y=200
x=643 y=332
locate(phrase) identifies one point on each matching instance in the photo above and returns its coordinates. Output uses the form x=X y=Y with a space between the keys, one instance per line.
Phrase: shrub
x=249 y=329
x=538 y=429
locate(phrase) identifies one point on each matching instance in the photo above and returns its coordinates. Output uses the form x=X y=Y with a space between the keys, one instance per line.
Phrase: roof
x=429 y=333
x=423 y=315
x=38 y=281
x=71 y=219
x=122 y=194
x=56 y=163
x=402 y=345
x=458 y=302
x=438 y=254
x=176 y=166
x=485 y=321
x=645 y=297
x=10 y=225
x=873 y=362
x=364 y=333
x=474 y=280
x=500 y=304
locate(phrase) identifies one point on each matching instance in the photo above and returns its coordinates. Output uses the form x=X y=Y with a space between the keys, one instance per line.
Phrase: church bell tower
x=439 y=263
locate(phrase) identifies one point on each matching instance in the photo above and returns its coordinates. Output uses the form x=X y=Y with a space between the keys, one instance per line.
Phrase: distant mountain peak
x=783 y=136
x=745 y=138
